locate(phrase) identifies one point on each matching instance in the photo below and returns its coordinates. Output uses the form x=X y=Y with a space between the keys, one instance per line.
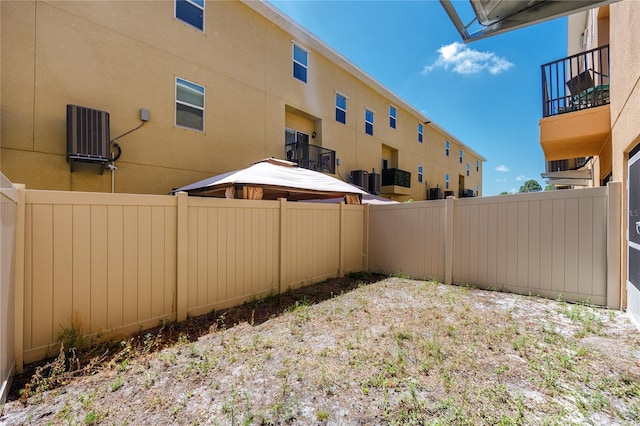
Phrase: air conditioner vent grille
x=87 y=135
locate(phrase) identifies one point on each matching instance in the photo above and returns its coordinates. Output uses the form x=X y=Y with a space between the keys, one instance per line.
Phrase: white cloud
x=502 y=168
x=521 y=178
x=466 y=61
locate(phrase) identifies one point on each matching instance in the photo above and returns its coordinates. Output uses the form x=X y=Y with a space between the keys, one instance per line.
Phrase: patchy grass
x=398 y=351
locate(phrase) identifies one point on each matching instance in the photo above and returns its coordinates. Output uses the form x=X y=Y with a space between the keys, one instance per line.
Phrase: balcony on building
x=396 y=182
x=311 y=157
x=575 y=105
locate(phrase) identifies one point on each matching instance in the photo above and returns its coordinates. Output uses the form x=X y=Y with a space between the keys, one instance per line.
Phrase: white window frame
x=175 y=13
x=293 y=61
x=420 y=173
x=447 y=147
x=202 y=108
x=373 y=114
x=477 y=165
x=420 y=132
x=446 y=181
x=468 y=169
x=461 y=156
x=393 y=117
x=346 y=99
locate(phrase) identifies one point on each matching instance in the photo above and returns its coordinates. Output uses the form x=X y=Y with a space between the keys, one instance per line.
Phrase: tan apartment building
x=189 y=89
x=590 y=130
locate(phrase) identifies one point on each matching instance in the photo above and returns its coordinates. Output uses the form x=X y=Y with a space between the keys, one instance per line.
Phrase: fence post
x=341 y=242
x=366 y=237
x=182 y=232
x=18 y=334
x=448 y=241
x=614 y=240
x=283 y=245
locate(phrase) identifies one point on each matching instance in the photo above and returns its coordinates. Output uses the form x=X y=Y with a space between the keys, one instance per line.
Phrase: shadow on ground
x=162 y=336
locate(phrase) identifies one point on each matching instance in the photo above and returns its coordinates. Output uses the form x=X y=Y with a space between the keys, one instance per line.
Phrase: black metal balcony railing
x=311 y=157
x=577 y=82
x=396 y=177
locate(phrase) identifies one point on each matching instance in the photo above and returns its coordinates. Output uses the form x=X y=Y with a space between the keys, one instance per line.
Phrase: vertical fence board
x=130 y=265
x=115 y=290
x=42 y=285
x=546 y=244
x=534 y=265
x=99 y=231
x=522 y=251
x=62 y=228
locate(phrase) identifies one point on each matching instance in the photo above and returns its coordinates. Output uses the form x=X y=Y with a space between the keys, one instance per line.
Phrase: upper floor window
x=419 y=173
x=368 y=122
x=191 y=12
x=341 y=108
x=189 y=105
x=446 y=148
x=460 y=156
x=468 y=168
x=393 y=113
x=420 y=132
x=446 y=181
x=477 y=165
x=477 y=189
x=300 y=63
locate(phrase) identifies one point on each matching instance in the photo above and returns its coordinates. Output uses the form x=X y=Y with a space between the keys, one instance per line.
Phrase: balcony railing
x=396 y=177
x=577 y=82
x=311 y=157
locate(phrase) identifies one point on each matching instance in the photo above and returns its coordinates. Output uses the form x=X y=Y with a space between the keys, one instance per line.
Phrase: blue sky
x=486 y=93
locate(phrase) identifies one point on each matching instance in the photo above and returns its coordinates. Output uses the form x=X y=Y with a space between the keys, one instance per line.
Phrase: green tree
x=550 y=187
x=531 y=186
x=504 y=193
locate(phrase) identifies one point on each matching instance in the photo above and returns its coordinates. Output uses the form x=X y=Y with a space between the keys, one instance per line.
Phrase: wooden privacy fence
x=118 y=262
x=550 y=243
x=8 y=214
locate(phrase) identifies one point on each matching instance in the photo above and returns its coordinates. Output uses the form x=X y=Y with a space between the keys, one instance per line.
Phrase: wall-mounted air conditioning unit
x=360 y=178
x=375 y=180
x=87 y=136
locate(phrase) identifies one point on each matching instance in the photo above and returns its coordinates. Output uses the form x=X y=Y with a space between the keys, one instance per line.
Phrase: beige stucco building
x=214 y=86
x=598 y=122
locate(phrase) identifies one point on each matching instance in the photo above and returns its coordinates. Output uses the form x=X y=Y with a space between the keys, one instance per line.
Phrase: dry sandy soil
x=396 y=351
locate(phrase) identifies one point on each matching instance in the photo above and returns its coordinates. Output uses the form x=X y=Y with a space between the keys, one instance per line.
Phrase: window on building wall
x=446 y=181
x=446 y=148
x=189 y=105
x=393 y=113
x=468 y=169
x=368 y=122
x=477 y=190
x=419 y=173
x=341 y=108
x=460 y=156
x=420 y=132
x=191 y=12
x=477 y=165
x=300 y=63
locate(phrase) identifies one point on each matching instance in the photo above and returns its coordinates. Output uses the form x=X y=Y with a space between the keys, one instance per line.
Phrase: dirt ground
x=356 y=351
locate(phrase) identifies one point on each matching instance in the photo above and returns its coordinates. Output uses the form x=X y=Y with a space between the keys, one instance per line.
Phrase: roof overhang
x=498 y=16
